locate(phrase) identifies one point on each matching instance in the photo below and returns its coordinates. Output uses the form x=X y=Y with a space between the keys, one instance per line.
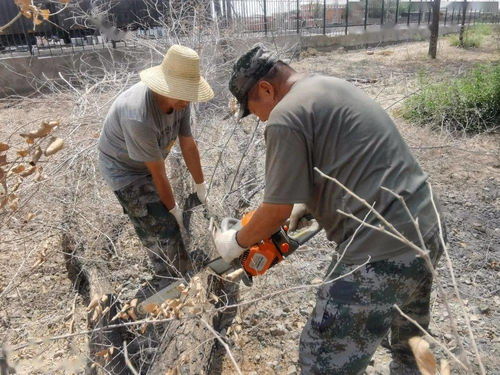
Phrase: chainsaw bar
x=220 y=267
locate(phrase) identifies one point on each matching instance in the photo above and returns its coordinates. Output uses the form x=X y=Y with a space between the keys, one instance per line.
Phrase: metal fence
x=248 y=17
x=343 y=16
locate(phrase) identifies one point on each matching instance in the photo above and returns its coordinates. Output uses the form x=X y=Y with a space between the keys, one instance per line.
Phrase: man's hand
x=226 y=244
x=266 y=221
x=201 y=192
x=177 y=212
x=298 y=212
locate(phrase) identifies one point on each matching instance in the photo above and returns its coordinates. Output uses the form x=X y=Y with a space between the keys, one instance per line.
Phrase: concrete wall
x=379 y=37
x=25 y=75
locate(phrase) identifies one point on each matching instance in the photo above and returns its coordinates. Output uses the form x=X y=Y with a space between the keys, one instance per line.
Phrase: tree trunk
x=462 y=26
x=436 y=6
x=88 y=276
x=188 y=345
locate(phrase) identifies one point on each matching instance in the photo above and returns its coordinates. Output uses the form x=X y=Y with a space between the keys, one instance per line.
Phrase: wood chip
x=316 y=281
x=426 y=361
x=56 y=145
x=18 y=169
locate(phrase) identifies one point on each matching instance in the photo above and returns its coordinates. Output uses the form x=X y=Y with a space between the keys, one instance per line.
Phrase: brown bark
x=88 y=276
x=187 y=344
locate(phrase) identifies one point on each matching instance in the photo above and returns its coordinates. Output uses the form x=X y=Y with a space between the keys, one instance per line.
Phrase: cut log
x=89 y=278
x=187 y=345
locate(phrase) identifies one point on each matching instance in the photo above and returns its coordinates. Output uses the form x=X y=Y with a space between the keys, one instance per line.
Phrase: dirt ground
x=39 y=302
x=465 y=173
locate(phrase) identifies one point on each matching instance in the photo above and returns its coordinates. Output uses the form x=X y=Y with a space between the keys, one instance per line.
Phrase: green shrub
x=482 y=29
x=470 y=103
x=470 y=40
x=473 y=36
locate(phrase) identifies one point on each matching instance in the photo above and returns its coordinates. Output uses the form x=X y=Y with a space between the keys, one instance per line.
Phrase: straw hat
x=178 y=76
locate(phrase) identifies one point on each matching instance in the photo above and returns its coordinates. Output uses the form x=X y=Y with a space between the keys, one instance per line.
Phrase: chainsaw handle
x=303 y=235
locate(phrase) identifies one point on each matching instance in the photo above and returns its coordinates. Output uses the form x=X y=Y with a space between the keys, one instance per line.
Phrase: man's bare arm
x=266 y=221
x=191 y=156
x=162 y=185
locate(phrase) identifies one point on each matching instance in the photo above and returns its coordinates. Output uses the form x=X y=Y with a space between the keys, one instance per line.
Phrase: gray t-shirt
x=136 y=131
x=328 y=123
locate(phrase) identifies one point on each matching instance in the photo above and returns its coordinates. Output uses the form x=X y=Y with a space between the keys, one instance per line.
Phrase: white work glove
x=177 y=212
x=299 y=210
x=201 y=192
x=226 y=244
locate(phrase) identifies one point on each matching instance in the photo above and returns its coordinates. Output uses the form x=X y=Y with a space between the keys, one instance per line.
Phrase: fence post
x=366 y=13
x=382 y=13
x=420 y=12
x=452 y=14
x=470 y=14
x=346 y=16
x=397 y=12
x=408 y=15
x=324 y=17
x=445 y=15
x=298 y=16
x=265 y=17
x=429 y=18
x=27 y=40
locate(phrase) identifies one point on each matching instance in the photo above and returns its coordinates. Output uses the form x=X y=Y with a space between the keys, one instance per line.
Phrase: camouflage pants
x=353 y=314
x=156 y=227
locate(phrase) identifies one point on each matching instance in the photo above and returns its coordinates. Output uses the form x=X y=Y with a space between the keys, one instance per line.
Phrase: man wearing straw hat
x=139 y=131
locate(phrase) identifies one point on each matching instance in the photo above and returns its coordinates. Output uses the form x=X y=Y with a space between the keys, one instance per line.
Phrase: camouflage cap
x=250 y=67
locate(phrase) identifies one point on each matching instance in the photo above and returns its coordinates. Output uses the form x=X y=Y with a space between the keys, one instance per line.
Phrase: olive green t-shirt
x=328 y=123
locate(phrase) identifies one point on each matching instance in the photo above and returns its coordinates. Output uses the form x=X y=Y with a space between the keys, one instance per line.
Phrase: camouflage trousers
x=353 y=314
x=156 y=227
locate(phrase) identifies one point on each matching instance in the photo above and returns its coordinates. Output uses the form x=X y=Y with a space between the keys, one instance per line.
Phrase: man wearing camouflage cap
x=325 y=122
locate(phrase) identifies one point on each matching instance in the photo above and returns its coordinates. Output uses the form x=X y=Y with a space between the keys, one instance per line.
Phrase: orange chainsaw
x=254 y=261
x=267 y=253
